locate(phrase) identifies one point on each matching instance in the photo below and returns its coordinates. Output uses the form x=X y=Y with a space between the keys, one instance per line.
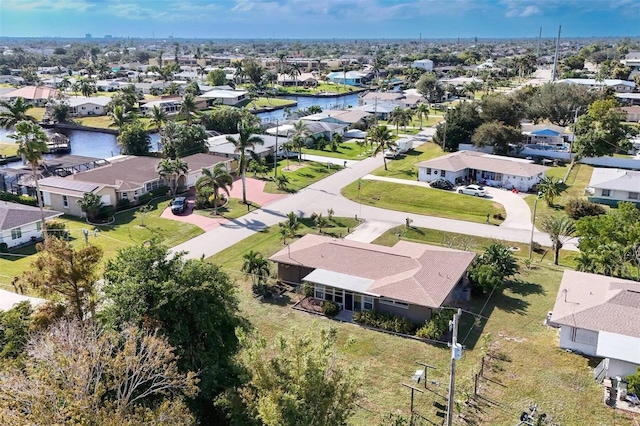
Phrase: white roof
x=615 y=179
x=618 y=346
x=9 y=299
x=82 y=100
x=594 y=82
x=223 y=94
x=220 y=144
x=339 y=280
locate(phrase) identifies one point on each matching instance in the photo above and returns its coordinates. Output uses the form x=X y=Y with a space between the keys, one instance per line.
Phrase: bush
x=106 y=213
x=159 y=191
x=577 y=208
x=123 y=204
x=385 y=321
x=261 y=289
x=633 y=382
x=306 y=289
x=485 y=278
x=330 y=309
x=57 y=229
x=144 y=198
x=436 y=326
x=20 y=199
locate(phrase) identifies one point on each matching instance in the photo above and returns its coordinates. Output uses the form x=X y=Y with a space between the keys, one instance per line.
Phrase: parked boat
x=58 y=143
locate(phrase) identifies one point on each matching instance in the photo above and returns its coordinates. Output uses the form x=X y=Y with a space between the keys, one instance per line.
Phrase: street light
x=533 y=223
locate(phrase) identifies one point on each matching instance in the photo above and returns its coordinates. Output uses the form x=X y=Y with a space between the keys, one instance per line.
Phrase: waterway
x=104 y=145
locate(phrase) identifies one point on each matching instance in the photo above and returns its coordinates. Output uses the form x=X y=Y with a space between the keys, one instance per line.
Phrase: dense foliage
x=385 y=321
x=577 y=208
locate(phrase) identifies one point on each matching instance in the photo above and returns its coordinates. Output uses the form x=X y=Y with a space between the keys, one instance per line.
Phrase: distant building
x=87 y=35
x=425 y=64
x=619 y=86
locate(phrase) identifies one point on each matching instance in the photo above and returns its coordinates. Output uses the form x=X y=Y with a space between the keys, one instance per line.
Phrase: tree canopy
x=134 y=139
x=497 y=135
x=460 y=123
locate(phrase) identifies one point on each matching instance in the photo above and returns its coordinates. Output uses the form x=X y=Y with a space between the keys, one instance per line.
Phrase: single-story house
x=316 y=129
x=380 y=109
x=629 y=98
x=225 y=97
x=408 y=279
x=170 y=106
x=619 y=86
x=345 y=117
x=350 y=78
x=610 y=186
x=220 y=146
x=425 y=64
x=373 y=98
x=631 y=113
x=123 y=178
x=491 y=170
x=20 y=224
x=36 y=95
x=598 y=316
x=546 y=135
x=11 y=79
x=83 y=106
x=305 y=79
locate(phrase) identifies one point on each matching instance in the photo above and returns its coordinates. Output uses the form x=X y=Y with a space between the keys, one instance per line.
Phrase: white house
x=547 y=135
x=225 y=97
x=490 y=170
x=20 y=224
x=86 y=106
x=425 y=64
x=632 y=113
x=599 y=316
x=170 y=106
x=619 y=86
x=610 y=186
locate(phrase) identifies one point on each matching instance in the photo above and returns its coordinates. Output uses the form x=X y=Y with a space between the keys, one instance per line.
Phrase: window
x=338 y=298
x=394 y=303
x=319 y=294
x=606 y=193
x=38 y=226
x=633 y=195
x=125 y=196
x=65 y=202
x=16 y=233
x=428 y=170
x=367 y=303
x=443 y=173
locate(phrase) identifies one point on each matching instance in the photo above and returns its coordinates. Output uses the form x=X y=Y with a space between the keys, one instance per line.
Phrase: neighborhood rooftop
x=13 y=215
x=615 y=179
x=461 y=160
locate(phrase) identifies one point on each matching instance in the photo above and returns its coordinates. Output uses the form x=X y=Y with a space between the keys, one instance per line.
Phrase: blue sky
x=319 y=18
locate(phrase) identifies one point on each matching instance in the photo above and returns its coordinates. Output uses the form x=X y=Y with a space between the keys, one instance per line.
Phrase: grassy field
x=425 y=201
x=347 y=151
x=126 y=231
x=263 y=102
x=320 y=88
x=7 y=149
x=233 y=210
x=104 y=121
x=533 y=369
x=37 y=113
x=415 y=123
x=299 y=178
x=405 y=167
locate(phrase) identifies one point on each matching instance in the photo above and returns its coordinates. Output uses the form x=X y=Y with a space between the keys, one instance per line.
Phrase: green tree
x=601 y=131
x=298 y=136
x=560 y=229
x=298 y=380
x=381 y=137
x=134 y=139
x=430 y=88
x=423 y=112
x=86 y=87
x=485 y=277
x=180 y=140
x=13 y=112
x=191 y=302
x=289 y=227
x=120 y=116
x=255 y=265
x=90 y=204
x=336 y=140
x=500 y=258
x=14 y=331
x=550 y=188
x=398 y=117
x=218 y=179
x=171 y=170
x=497 y=135
x=188 y=107
x=558 y=102
x=244 y=144
x=460 y=123
x=32 y=145
x=281 y=182
x=505 y=109
x=158 y=117
x=254 y=71
x=64 y=273
x=217 y=77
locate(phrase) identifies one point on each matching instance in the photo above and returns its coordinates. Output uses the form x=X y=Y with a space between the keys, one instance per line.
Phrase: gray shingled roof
x=476 y=160
x=13 y=215
x=615 y=179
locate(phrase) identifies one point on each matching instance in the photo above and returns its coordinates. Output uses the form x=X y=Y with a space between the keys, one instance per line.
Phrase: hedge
x=20 y=199
x=385 y=321
x=436 y=326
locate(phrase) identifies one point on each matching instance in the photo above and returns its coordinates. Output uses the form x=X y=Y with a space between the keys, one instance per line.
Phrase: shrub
x=306 y=289
x=144 y=198
x=330 y=309
x=20 y=199
x=159 y=191
x=484 y=278
x=106 y=213
x=577 y=208
x=436 y=326
x=57 y=229
x=385 y=321
x=123 y=204
x=261 y=289
x=633 y=382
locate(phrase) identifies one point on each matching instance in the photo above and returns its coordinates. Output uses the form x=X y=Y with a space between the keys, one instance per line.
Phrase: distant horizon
x=319 y=19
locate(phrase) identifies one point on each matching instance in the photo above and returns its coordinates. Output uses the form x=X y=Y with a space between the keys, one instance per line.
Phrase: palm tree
x=256 y=265
x=120 y=116
x=86 y=87
x=423 y=112
x=336 y=141
x=383 y=139
x=32 y=142
x=295 y=71
x=550 y=188
x=188 y=107
x=239 y=72
x=172 y=169
x=289 y=227
x=12 y=112
x=217 y=179
x=560 y=229
x=298 y=135
x=158 y=117
x=397 y=117
x=245 y=144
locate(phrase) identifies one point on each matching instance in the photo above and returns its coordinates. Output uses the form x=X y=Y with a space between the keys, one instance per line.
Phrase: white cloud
x=39 y=5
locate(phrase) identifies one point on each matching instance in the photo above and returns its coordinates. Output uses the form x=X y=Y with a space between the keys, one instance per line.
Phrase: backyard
x=514 y=334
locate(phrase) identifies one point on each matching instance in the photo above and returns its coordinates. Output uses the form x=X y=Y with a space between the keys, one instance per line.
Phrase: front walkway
x=255 y=191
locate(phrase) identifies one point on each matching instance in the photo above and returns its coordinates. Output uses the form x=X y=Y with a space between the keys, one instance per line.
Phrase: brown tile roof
x=598 y=303
x=415 y=273
x=461 y=160
x=32 y=92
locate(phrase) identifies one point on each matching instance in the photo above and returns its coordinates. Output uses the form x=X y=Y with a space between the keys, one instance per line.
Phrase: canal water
x=104 y=145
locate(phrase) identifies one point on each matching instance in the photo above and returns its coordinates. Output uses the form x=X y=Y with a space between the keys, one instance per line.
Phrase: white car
x=475 y=190
x=390 y=153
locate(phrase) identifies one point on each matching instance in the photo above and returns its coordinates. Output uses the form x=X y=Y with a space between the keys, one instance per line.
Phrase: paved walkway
x=368 y=231
x=255 y=191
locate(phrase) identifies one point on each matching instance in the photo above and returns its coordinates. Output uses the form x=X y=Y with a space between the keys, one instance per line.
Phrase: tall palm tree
x=423 y=112
x=295 y=71
x=239 y=72
x=382 y=137
x=32 y=142
x=560 y=229
x=245 y=144
x=172 y=169
x=256 y=265
x=120 y=116
x=158 y=117
x=188 y=107
x=217 y=179
x=12 y=112
x=398 y=117
x=299 y=134
x=289 y=227
x=86 y=87
x=549 y=188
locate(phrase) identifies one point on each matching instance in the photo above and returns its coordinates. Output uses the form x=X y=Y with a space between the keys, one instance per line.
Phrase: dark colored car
x=441 y=184
x=179 y=205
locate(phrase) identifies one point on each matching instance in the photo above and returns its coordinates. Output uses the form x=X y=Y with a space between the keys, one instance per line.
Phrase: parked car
x=178 y=205
x=390 y=153
x=441 y=183
x=475 y=190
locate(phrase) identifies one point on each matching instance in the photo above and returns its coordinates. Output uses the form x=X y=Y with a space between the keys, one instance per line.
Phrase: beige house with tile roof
x=600 y=316
x=491 y=170
x=408 y=279
x=35 y=95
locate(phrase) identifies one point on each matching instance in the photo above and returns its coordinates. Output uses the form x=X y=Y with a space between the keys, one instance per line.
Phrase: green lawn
x=37 y=113
x=263 y=102
x=415 y=123
x=533 y=369
x=126 y=231
x=320 y=88
x=347 y=151
x=103 y=121
x=405 y=167
x=8 y=149
x=233 y=210
x=425 y=201
x=299 y=178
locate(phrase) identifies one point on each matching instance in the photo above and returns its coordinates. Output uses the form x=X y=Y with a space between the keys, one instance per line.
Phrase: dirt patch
x=293 y=167
x=312 y=305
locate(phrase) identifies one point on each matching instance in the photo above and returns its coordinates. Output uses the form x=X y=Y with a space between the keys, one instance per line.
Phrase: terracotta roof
x=415 y=273
x=461 y=160
x=13 y=215
x=598 y=303
x=32 y=92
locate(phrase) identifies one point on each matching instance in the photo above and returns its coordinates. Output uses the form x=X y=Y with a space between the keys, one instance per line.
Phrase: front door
x=348 y=301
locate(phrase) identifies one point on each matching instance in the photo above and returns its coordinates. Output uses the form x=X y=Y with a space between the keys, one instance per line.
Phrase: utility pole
x=275 y=154
x=456 y=353
x=554 y=73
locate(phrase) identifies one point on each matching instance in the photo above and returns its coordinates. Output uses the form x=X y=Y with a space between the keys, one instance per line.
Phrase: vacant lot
x=300 y=174
x=404 y=167
x=346 y=150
